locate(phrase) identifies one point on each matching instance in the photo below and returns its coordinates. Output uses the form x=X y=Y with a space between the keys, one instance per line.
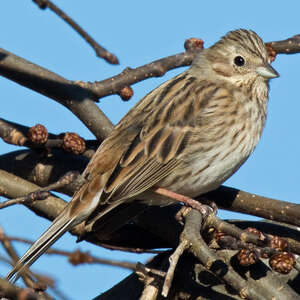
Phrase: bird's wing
x=159 y=128
x=145 y=147
x=150 y=142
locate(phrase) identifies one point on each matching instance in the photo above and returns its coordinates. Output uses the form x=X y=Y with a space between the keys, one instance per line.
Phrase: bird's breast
x=210 y=163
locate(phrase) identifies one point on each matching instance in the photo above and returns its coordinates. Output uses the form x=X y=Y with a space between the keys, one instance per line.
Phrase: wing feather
x=140 y=153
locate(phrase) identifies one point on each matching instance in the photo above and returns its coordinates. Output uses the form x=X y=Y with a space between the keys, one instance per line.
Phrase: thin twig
x=184 y=244
x=9 y=291
x=100 y=51
x=150 y=292
x=42 y=193
x=230 y=229
x=150 y=280
x=12 y=186
x=34 y=196
x=78 y=257
x=14 y=256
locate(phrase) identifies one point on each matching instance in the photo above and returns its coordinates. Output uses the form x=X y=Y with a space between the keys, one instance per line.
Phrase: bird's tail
x=60 y=225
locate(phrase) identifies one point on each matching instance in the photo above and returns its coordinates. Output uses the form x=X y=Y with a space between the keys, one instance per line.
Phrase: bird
x=186 y=137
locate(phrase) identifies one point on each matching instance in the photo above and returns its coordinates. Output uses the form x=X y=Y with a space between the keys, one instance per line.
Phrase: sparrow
x=186 y=137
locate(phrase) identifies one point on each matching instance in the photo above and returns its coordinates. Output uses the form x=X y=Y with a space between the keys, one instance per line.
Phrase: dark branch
x=288 y=46
x=247 y=288
x=248 y=203
x=27 y=164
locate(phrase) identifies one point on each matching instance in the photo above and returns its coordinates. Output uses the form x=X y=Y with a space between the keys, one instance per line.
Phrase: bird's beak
x=267 y=71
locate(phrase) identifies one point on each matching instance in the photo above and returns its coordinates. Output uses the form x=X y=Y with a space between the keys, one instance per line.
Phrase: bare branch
x=174 y=258
x=75 y=257
x=79 y=96
x=130 y=76
x=100 y=51
x=248 y=203
x=288 y=46
x=77 y=99
x=43 y=193
x=247 y=289
x=289 y=232
x=220 y=225
x=16 y=134
x=159 y=67
x=14 y=257
x=9 y=291
x=34 y=196
x=12 y=186
x=44 y=171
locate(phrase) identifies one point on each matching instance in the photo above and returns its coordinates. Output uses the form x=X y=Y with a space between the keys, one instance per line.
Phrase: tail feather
x=50 y=236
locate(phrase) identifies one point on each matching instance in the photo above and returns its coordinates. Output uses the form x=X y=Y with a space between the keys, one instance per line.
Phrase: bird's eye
x=239 y=61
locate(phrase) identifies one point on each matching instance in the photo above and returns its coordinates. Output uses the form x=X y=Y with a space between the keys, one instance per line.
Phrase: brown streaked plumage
x=188 y=136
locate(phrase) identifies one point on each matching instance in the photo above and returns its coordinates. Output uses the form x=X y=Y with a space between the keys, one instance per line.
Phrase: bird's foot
x=189 y=203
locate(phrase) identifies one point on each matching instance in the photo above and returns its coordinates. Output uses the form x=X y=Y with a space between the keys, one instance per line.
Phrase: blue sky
x=139 y=32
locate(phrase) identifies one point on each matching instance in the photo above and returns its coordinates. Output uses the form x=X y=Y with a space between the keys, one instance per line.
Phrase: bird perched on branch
x=186 y=137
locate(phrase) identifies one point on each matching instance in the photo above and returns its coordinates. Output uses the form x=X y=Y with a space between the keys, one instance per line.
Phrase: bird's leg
x=204 y=209
x=210 y=203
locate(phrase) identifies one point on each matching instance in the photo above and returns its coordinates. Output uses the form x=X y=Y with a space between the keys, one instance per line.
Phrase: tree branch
x=248 y=203
x=288 y=46
x=100 y=51
x=251 y=288
x=130 y=76
x=46 y=170
x=12 y=186
x=20 y=135
x=77 y=99
x=79 y=96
